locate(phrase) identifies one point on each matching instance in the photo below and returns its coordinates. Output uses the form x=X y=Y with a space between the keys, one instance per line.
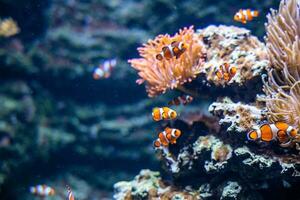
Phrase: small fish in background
x=226 y=72
x=70 y=194
x=245 y=15
x=174 y=49
x=280 y=131
x=163 y=113
x=184 y=100
x=104 y=70
x=42 y=190
x=168 y=136
x=8 y=27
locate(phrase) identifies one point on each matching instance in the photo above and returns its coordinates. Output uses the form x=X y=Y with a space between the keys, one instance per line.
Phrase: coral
x=231 y=190
x=148 y=185
x=238 y=117
x=282 y=87
x=235 y=46
x=221 y=152
x=172 y=73
x=8 y=27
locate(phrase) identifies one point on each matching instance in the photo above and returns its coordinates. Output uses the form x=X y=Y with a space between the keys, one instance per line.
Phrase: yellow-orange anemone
x=169 y=74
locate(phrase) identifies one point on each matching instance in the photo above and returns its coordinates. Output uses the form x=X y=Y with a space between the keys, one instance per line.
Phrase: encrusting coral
x=238 y=117
x=149 y=185
x=282 y=87
x=171 y=73
x=235 y=46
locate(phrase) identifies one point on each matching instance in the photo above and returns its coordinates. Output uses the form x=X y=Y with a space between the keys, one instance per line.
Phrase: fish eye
x=177 y=133
x=293 y=133
x=173 y=114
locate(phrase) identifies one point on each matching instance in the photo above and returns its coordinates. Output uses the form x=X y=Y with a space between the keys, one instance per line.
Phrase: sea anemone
x=283 y=44
x=171 y=73
x=283 y=85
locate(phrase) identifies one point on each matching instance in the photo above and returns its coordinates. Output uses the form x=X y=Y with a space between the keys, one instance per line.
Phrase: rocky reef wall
x=59 y=126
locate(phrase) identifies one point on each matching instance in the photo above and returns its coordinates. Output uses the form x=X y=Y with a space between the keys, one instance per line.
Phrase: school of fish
x=267 y=132
x=44 y=191
x=169 y=135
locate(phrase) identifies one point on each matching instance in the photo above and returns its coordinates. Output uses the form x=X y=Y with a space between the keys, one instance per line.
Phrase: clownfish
x=163 y=113
x=172 y=134
x=244 y=15
x=174 y=49
x=168 y=136
x=226 y=72
x=280 y=131
x=104 y=70
x=42 y=190
x=185 y=99
x=70 y=194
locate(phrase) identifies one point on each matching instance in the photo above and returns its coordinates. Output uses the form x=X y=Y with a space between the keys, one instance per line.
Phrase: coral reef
x=149 y=185
x=235 y=46
x=58 y=126
x=217 y=160
x=172 y=73
x=238 y=117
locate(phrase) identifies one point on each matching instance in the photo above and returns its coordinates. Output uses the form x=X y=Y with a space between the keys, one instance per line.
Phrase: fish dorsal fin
x=164 y=49
x=173 y=43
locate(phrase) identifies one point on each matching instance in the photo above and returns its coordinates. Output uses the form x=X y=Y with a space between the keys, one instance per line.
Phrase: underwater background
x=62 y=122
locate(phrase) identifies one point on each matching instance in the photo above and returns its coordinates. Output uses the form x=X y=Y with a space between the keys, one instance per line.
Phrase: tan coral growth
x=8 y=27
x=235 y=46
x=283 y=85
x=240 y=117
x=169 y=74
x=149 y=185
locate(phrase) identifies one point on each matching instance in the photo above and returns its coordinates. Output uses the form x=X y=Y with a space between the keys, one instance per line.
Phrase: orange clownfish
x=174 y=49
x=42 y=190
x=226 y=72
x=185 y=99
x=168 y=136
x=244 y=15
x=70 y=194
x=268 y=132
x=163 y=113
x=104 y=69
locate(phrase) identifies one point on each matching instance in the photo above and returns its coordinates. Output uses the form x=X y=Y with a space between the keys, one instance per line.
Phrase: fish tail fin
x=255 y=13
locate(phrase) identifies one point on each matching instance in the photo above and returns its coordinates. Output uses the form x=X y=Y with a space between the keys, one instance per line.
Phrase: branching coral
x=172 y=73
x=283 y=85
